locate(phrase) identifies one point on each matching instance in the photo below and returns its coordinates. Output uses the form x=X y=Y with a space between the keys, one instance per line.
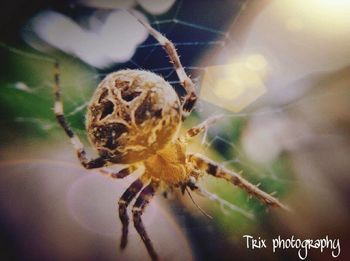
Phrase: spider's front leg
x=190 y=98
x=78 y=146
x=196 y=130
x=141 y=202
x=211 y=167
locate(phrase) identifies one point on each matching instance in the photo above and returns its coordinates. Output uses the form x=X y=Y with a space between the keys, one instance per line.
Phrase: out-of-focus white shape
x=122 y=30
x=267 y=136
x=23 y=87
x=115 y=41
x=236 y=85
x=261 y=139
x=156 y=6
x=110 y=4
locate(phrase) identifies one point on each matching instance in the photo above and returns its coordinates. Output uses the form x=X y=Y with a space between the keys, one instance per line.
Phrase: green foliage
x=26 y=98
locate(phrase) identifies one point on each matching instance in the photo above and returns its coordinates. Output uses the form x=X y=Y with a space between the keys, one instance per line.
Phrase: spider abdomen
x=131 y=115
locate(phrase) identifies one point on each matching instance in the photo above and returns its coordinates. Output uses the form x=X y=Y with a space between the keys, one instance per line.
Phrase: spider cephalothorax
x=134 y=117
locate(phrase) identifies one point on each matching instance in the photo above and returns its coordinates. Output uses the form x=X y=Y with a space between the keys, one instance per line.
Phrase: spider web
x=193 y=36
x=196 y=29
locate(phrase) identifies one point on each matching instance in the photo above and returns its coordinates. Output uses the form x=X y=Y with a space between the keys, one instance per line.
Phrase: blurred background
x=278 y=69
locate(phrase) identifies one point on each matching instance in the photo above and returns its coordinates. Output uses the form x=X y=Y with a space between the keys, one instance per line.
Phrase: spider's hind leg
x=119 y=174
x=141 y=202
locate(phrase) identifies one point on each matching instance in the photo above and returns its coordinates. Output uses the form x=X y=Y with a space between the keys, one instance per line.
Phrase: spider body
x=169 y=164
x=132 y=115
x=133 y=118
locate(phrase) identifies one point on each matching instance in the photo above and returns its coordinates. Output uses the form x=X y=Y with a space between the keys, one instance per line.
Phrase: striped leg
x=123 y=203
x=212 y=168
x=120 y=174
x=78 y=146
x=141 y=202
x=194 y=131
x=191 y=96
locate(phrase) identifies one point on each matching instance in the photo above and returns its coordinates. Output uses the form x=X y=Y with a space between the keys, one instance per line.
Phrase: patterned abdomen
x=131 y=115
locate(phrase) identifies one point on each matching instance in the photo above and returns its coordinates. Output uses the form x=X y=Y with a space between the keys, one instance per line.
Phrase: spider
x=133 y=119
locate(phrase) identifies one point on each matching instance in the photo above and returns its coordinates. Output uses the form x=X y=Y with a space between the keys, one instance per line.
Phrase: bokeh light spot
x=236 y=85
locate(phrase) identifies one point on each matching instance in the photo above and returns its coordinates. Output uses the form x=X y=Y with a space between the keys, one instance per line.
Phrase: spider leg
x=141 y=202
x=123 y=203
x=194 y=131
x=190 y=98
x=203 y=192
x=203 y=163
x=121 y=173
x=74 y=139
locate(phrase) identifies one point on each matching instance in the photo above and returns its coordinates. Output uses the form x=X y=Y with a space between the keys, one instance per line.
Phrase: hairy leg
x=121 y=173
x=223 y=203
x=141 y=202
x=191 y=97
x=211 y=167
x=123 y=203
x=78 y=146
x=194 y=131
